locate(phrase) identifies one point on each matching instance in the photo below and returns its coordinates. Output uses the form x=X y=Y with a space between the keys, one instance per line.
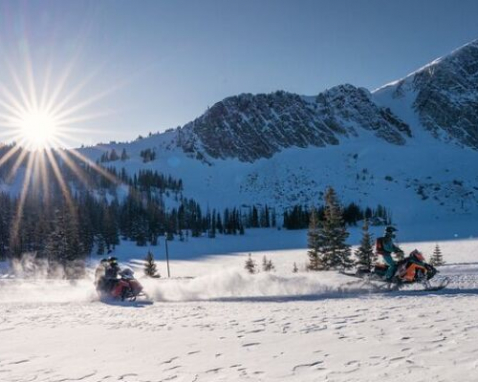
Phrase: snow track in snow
x=226 y=325
x=376 y=338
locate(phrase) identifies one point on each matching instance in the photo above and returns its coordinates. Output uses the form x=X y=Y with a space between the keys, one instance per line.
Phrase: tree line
x=299 y=217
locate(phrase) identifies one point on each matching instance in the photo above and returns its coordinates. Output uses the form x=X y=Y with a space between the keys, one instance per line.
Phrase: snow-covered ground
x=226 y=325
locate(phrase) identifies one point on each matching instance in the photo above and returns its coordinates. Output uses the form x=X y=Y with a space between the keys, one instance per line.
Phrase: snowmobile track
x=388 y=287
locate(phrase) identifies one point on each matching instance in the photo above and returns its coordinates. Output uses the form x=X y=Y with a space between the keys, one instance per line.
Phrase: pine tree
x=124 y=155
x=241 y=229
x=267 y=265
x=63 y=246
x=337 y=251
x=313 y=242
x=101 y=246
x=268 y=217
x=250 y=265
x=113 y=156
x=329 y=249
x=365 y=253
x=437 y=258
x=150 y=268
x=219 y=224
x=274 y=218
x=212 y=230
x=254 y=218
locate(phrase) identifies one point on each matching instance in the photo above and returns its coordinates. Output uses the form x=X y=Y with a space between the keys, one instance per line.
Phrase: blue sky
x=151 y=65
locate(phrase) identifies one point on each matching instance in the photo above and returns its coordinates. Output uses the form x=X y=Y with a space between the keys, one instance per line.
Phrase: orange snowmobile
x=411 y=270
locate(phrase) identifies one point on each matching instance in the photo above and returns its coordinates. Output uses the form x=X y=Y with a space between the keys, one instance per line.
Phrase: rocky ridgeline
x=447 y=98
x=446 y=95
x=250 y=127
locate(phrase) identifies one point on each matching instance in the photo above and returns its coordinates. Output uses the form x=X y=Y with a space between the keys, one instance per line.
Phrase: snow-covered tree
x=124 y=155
x=327 y=242
x=295 y=269
x=63 y=246
x=365 y=253
x=113 y=156
x=267 y=265
x=314 y=242
x=250 y=265
x=150 y=268
x=437 y=258
x=101 y=246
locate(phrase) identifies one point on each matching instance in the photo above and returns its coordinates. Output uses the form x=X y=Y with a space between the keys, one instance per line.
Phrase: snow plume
x=32 y=279
x=240 y=285
x=31 y=266
x=46 y=291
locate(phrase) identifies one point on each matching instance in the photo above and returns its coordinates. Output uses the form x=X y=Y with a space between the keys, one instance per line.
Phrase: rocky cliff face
x=442 y=98
x=447 y=99
x=445 y=95
x=250 y=127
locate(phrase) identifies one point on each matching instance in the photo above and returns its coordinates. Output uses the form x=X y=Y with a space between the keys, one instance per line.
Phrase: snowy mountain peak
x=443 y=96
x=251 y=127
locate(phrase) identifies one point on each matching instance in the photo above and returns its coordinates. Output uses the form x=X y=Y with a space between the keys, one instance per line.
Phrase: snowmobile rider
x=111 y=273
x=106 y=274
x=385 y=247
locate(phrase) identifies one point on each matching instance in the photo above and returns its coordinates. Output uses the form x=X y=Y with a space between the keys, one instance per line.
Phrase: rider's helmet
x=112 y=260
x=417 y=255
x=390 y=231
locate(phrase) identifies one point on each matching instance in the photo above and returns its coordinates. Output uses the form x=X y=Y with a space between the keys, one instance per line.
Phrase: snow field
x=215 y=322
x=425 y=338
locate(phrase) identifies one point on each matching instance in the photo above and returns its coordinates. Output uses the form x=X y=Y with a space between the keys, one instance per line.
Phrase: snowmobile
x=411 y=270
x=126 y=288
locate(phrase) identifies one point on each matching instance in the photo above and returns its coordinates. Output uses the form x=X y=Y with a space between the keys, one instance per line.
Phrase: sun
x=38 y=129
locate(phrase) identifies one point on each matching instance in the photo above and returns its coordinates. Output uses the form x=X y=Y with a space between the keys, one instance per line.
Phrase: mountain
x=251 y=127
x=441 y=98
x=411 y=146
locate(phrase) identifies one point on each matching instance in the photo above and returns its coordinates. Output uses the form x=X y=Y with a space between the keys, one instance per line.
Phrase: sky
x=124 y=68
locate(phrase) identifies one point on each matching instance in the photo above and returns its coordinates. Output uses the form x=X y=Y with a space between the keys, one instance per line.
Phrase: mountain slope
x=250 y=127
x=443 y=96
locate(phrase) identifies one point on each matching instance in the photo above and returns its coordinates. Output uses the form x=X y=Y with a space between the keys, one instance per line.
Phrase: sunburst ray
x=44 y=176
x=78 y=171
x=96 y=167
x=65 y=190
x=9 y=154
x=21 y=203
x=16 y=165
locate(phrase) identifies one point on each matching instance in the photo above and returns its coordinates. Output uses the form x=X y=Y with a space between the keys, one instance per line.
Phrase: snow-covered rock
x=250 y=127
x=443 y=95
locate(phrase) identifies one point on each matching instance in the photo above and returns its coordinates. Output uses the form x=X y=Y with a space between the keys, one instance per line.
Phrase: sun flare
x=38 y=129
